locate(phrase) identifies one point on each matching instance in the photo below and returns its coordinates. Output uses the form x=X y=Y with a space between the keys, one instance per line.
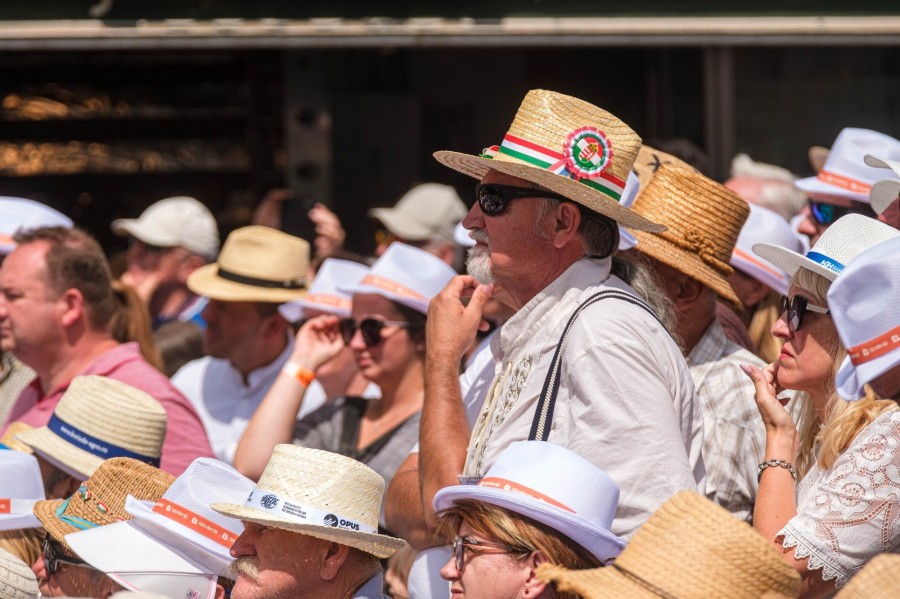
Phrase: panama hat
x=878 y=579
x=844 y=173
x=177 y=535
x=17 y=581
x=20 y=214
x=884 y=192
x=690 y=548
x=406 y=275
x=836 y=247
x=320 y=494
x=100 y=500
x=762 y=226
x=704 y=219
x=20 y=487
x=568 y=146
x=554 y=486
x=179 y=221
x=99 y=418
x=324 y=294
x=863 y=304
x=257 y=264
x=425 y=211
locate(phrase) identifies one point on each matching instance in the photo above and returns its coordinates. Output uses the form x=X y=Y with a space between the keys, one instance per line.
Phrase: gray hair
x=634 y=270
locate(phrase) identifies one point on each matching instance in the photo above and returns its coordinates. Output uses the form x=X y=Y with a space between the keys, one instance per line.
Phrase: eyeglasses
x=370 y=328
x=493 y=199
x=53 y=557
x=460 y=543
x=796 y=309
x=826 y=214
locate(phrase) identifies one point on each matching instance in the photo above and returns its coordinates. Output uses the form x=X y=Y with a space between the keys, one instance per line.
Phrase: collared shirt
x=734 y=437
x=185 y=438
x=373 y=589
x=626 y=401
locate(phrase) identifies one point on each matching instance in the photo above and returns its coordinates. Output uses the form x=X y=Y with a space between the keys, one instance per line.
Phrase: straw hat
x=320 y=494
x=649 y=160
x=425 y=211
x=99 y=418
x=704 y=220
x=554 y=486
x=20 y=214
x=840 y=243
x=762 y=226
x=884 y=193
x=324 y=294
x=257 y=264
x=179 y=221
x=21 y=485
x=691 y=549
x=567 y=146
x=880 y=578
x=17 y=581
x=101 y=499
x=9 y=437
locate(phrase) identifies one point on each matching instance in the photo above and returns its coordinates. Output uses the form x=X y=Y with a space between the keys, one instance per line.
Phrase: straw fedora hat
x=101 y=499
x=17 y=581
x=704 y=220
x=320 y=494
x=567 y=146
x=691 y=549
x=256 y=264
x=878 y=579
x=9 y=437
x=99 y=418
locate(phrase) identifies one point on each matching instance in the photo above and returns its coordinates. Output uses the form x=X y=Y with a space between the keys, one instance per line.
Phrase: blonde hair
x=24 y=543
x=766 y=312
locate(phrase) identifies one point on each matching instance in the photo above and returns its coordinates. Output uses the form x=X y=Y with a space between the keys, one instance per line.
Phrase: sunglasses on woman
x=796 y=308
x=369 y=328
x=459 y=549
x=54 y=556
x=493 y=199
x=826 y=214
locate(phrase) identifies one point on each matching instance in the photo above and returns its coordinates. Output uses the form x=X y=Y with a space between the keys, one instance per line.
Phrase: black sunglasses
x=493 y=199
x=826 y=214
x=796 y=309
x=53 y=557
x=369 y=328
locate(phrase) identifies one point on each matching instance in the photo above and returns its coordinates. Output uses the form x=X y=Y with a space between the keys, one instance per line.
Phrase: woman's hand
x=318 y=341
x=777 y=420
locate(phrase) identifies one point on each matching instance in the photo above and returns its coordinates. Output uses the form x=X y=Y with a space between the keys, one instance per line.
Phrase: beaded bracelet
x=780 y=464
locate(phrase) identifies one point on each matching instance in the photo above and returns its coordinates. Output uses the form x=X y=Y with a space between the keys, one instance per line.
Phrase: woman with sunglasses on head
x=815 y=451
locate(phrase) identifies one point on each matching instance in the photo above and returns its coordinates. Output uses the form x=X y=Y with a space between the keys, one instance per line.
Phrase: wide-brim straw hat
x=320 y=494
x=704 y=219
x=99 y=418
x=101 y=499
x=649 y=159
x=17 y=581
x=9 y=437
x=878 y=579
x=256 y=264
x=568 y=146
x=690 y=548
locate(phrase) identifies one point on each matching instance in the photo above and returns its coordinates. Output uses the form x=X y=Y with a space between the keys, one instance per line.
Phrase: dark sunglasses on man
x=370 y=329
x=796 y=308
x=826 y=214
x=54 y=555
x=493 y=199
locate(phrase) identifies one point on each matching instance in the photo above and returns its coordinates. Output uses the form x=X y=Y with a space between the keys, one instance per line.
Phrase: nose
x=356 y=342
x=243 y=545
x=40 y=569
x=449 y=571
x=474 y=218
x=780 y=329
x=807 y=226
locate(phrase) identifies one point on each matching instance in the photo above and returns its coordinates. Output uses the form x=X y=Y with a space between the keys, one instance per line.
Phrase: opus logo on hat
x=324 y=294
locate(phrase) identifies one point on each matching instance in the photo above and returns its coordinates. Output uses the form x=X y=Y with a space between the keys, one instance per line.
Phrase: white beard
x=478 y=259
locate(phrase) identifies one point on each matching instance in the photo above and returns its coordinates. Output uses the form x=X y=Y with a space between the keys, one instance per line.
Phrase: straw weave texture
x=649 y=159
x=689 y=549
x=878 y=579
x=17 y=581
x=704 y=220
x=9 y=438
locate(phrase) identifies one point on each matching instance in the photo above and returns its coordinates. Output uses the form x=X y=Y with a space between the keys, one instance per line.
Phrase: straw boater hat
x=99 y=418
x=256 y=264
x=691 y=549
x=320 y=494
x=567 y=146
x=101 y=499
x=21 y=486
x=17 y=581
x=880 y=578
x=704 y=220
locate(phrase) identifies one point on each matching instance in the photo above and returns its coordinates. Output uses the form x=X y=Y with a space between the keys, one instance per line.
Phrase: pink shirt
x=185 y=439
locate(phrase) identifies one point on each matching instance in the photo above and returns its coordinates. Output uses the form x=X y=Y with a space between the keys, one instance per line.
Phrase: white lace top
x=850 y=513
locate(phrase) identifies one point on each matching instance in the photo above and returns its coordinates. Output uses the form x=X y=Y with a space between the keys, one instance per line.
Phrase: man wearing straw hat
x=247 y=340
x=692 y=260
x=617 y=391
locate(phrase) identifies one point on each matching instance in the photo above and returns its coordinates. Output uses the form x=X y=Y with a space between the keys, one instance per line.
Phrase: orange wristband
x=304 y=376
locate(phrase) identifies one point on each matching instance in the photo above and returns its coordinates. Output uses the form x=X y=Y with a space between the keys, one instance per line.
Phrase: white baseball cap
x=324 y=295
x=764 y=225
x=21 y=486
x=425 y=211
x=884 y=192
x=179 y=221
x=19 y=214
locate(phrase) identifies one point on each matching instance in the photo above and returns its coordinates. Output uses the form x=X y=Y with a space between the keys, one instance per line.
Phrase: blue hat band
x=93 y=445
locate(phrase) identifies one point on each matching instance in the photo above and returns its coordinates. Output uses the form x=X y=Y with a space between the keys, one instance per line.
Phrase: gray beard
x=478 y=264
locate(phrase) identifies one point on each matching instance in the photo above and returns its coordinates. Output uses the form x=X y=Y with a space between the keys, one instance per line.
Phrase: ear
x=220 y=592
x=335 y=556
x=566 y=223
x=689 y=292
x=534 y=586
x=72 y=306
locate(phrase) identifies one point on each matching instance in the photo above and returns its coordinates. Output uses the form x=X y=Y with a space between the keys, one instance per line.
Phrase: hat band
x=298 y=283
x=557 y=163
x=93 y=445
x=274 y=503
x=16 y=506
x=332 y=301
x=195 y=522
x=514 y=487
x=825 y=262
x=390 y=286
x=695 y=242
x=875 y=348
x=843 y=182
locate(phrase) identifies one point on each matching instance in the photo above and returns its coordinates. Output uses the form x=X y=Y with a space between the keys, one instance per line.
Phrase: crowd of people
x=647 y=383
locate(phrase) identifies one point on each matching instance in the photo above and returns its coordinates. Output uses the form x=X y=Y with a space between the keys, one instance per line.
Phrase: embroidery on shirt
x=514 y=387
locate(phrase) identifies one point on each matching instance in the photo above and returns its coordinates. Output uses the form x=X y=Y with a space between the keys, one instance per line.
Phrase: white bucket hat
x=863 y=304
x=554 y=486
x=764 y=225
x=17 y=581
x=884 y=192
x=96 y=419
x=405 y=275
x=425 y=211
x=320 y=494
x=174 y=538
x=844 y=173
x=179 y=221
x=324 y=295
x=21 y=486
x=849 y=236
x=19 y=214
